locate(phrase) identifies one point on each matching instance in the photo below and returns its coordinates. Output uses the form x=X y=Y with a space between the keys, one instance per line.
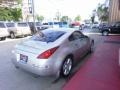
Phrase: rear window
x=45 y=23
x=10 y=24
x=95 y=22
x=48 y=36
x=56 y=23
x=2 y=25
x=38 y=24
x=22 y=24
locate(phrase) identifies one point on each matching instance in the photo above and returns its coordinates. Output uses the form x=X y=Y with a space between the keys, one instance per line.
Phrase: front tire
x=105 y=33
x=66 y=67
x=12 y=35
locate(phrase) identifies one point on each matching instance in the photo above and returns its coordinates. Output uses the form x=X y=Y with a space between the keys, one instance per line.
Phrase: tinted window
x=45 y=23
x=48 y=36
x=10 y=24
x=56 y=23
x=22 y=24
x=64 y=22
x=2 y=25
x=76 y=35
x=50 y=23
x=38 y=24
x=95 y=22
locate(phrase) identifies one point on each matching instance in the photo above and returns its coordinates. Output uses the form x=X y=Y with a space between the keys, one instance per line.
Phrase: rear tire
x=105 y=33
x=12 y=35
x=66 y=67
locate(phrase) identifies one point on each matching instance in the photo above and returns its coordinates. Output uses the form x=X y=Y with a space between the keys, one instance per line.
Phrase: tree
x=10 y=14
x=77 y=18
x=64 y=18
x=19 y=1
x=40 y=18
x=16 y=14
x=103 y=12
x=3 y=14
x=93 y=19
x=58 y=15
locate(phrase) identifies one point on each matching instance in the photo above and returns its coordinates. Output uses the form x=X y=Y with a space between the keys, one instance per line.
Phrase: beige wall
x=114 y=11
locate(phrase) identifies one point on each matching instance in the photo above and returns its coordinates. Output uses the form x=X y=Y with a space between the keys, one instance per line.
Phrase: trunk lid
x=34 y=47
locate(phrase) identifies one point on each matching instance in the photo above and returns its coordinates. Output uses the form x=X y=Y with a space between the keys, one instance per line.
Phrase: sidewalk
x=101 y=71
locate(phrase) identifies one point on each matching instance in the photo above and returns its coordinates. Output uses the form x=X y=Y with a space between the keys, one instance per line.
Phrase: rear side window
x=22 y=24
x=2 y=25
x=10 y=24
x=56 y=23
x=45 y=23
x=75 y=35
x=48 y=36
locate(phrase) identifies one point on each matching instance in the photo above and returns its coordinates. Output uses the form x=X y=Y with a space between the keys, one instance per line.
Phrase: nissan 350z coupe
x=52 y=52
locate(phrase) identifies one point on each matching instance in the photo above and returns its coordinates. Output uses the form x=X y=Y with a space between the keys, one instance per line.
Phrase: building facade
x=114 y=10
x=27 y=10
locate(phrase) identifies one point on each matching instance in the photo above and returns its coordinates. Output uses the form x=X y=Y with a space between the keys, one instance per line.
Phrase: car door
x=82 y=42
x=73 y=46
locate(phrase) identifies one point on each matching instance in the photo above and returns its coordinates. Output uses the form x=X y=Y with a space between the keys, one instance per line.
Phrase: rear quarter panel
x=60 y=55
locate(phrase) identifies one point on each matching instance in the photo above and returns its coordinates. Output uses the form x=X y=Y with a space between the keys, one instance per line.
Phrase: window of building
x=29 y=1
x=30 y=10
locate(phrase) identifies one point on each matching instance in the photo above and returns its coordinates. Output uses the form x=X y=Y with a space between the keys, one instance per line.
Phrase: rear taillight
x=48 y=53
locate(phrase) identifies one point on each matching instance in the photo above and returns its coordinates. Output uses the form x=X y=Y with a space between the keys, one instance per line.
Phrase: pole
x=33 y=15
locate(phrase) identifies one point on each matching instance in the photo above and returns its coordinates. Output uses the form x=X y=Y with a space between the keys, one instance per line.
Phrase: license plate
x=23 y=58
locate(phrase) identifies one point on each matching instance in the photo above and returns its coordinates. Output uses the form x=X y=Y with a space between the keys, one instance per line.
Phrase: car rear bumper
x=39 y=70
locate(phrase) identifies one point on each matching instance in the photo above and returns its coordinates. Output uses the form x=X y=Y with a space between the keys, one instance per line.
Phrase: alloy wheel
x=67 y=66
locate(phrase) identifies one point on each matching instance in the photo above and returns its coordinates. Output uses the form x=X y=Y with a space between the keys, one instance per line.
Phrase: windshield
x=2 y=25
x=22 y=24
x=47 y=36
x=10 y=24
x=38 y=24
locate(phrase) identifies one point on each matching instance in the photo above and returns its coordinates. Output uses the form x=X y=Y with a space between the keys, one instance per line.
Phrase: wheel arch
x=59 y=65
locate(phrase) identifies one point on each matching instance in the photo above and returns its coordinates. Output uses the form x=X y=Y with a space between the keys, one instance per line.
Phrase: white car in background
x=18 y=29
x=95 y=25
x=3 y=31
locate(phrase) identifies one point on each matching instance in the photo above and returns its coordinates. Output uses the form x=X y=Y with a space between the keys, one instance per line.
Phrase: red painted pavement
x=101 y=70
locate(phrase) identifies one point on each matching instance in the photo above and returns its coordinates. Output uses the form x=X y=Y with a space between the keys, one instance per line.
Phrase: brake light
x=48 y=53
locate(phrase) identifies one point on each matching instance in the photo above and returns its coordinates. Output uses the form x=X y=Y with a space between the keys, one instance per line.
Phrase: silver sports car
x=52 y=51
